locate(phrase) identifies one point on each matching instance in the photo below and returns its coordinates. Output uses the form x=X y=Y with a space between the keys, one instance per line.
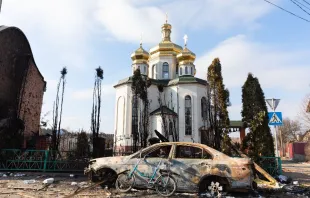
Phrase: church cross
x=185 y=40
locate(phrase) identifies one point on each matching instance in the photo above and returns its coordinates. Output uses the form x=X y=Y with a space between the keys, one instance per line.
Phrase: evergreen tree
x=217 y=107
x=258 y=142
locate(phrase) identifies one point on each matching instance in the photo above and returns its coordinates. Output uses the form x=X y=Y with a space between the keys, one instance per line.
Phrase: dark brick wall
x=21 y=83
x=31 y=99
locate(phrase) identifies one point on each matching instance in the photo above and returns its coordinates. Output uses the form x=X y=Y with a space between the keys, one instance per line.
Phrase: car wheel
x=104 y=174
x=211 y=187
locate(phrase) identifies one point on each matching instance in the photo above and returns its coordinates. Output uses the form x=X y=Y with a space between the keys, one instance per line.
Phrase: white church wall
x=153 y=97
x=122 y=114
x=196 y=92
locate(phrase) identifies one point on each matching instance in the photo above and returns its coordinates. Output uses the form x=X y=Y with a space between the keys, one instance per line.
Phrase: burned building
x=21 y=83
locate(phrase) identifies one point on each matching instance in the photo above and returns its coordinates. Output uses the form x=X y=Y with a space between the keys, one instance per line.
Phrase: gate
x=272 y=165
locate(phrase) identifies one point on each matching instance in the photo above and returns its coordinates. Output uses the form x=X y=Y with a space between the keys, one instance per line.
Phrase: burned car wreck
x=195 y=167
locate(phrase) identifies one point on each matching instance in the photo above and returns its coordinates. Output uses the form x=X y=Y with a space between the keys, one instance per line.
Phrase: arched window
x=204 y=108
x=186 y=72
x=153 y=71
x=181 y=71
x=134 y=123
x=177 y=69
x=192 y=71
x=166 y=70
x=188 y=115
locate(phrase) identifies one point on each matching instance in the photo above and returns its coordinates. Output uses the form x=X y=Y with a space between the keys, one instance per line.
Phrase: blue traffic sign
x=275 y=118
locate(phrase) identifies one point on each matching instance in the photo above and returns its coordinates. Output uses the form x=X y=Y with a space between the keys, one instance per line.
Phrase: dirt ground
x=297 y=171
x=14 y=187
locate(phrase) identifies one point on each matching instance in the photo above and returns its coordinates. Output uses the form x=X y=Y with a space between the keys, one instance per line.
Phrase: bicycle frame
x=149 y=180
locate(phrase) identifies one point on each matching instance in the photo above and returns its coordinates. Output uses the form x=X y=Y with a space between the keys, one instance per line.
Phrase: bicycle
x=165 y=184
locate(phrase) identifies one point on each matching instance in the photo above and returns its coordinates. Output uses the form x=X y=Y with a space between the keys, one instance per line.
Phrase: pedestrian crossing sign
x=275 y=118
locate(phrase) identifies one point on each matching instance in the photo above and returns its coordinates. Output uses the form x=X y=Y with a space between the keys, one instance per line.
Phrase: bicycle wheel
x=124 y=183
x=165 y=185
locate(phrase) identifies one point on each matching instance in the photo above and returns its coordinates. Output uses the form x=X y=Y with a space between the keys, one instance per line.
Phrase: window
x=153 y=71
x=181 y=71
x=204 y=108
x=134 y=123
x=177 y=69
x=166 y=71
x=192 y=71
x=186 y=72
x=191 y=152
x=188 y=115
x=161 y=151
x=170 y=128
x=142 y=69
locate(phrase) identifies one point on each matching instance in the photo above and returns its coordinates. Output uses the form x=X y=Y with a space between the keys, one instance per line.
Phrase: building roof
x=166 y=110
x=5 y=28
x=187 y=79
x=180 y=80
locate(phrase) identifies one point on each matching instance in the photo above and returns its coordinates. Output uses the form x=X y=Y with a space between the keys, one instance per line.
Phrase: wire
x=300 y=7
x=287 y=11
x=297 y=1
x=306 y=2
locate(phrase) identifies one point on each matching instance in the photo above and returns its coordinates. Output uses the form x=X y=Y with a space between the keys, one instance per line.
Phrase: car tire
x=206 y=183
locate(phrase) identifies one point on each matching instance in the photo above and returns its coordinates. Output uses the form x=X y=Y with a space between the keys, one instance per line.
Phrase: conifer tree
x=258 y=142
x=217 y=107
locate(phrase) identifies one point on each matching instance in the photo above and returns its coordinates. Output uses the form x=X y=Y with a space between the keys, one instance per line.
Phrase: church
x=184 y=96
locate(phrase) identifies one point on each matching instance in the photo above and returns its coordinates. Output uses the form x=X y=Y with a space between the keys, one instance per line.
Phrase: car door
x=154 y=156
x=189 y=162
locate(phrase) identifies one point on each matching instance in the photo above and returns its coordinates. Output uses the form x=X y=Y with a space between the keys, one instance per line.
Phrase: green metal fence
x=39 y=160
x=273 y=165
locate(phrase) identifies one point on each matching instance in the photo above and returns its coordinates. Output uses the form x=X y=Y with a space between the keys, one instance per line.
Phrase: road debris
x=48 y=181
x=74 y=184
x=32 y=181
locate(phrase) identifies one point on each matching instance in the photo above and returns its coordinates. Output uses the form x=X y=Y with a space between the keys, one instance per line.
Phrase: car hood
x=102 y=162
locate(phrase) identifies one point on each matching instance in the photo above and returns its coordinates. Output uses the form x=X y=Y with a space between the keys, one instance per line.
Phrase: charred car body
x=194 y=166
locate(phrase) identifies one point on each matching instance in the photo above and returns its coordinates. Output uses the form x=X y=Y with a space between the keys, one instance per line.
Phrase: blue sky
x=247 y=36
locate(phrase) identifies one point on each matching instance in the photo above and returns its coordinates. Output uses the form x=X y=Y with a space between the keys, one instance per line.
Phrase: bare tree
x=304 y=113
x=139 y=87
x=169 y=120
x=57 y=115
x=289 y=131
x=162 y=102
x=95 y=115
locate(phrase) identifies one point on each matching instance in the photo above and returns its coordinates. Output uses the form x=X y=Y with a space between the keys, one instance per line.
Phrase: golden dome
x=166 y=48
x=140 y=55
x=186 y=56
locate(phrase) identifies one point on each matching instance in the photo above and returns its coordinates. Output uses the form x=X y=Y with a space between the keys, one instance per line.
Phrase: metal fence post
x=45 y=160
x=280 y=165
